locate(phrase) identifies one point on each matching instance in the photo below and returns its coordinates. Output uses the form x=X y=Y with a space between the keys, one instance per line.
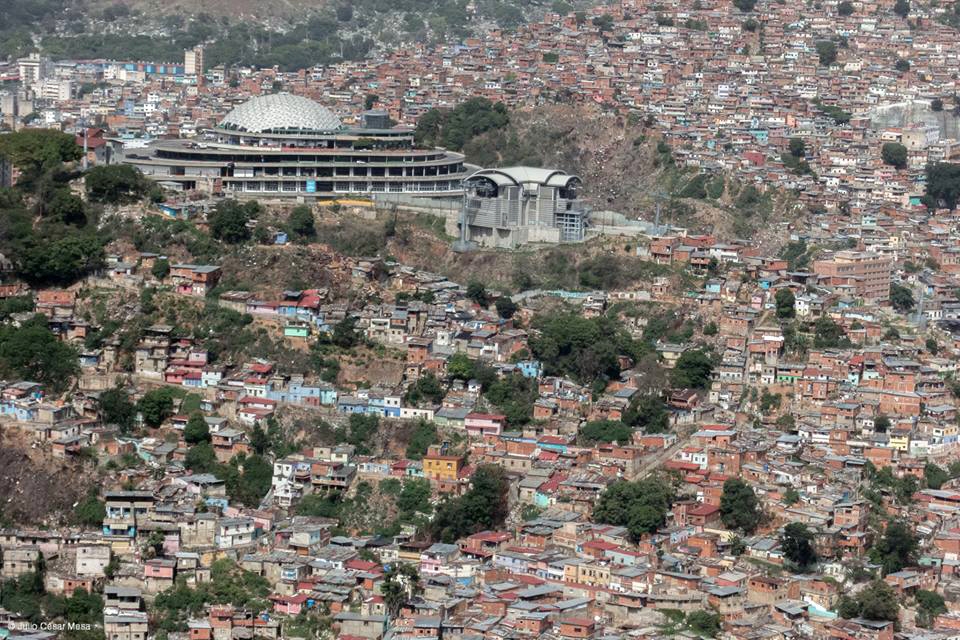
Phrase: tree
x=90 y=511
x=902 y=8
x=196 y=430
x=116 y=408
x=301 y=223
x=38 y=152
x=248 y=479
x=259 y=440
x=370 y=101
x=791 y=497
x=902 y=66
x=647 y=412
x=829 y=335
x=586 y=349
x=115 y=184
x=455 y=127
x=934 y=475
x=424 y=435
x=692 y=370
x=160 y=268
x=739 y=507
x=201 y=458
x=400 y=582
x=67 y=208
x=506 y=307
x=878 y=601
x=641 y=506
x=711 y=329
x=936 y=105
x=603 y=22
x=894 y=154
x=414 y=498
x=827 y=52
x=895 y=549
x=943 y=185
x=228 y=222
x=932 y=346
x=605 y=431
x=845 y=8
x=901 y=298
x=345 y=14
x=33 y=352
x=426 y=388
x=478 y=293
x=483 y=506
x=705 y=624
x=881 y=424
x=745 y=6
x=798 y=149
x=156 y=406
x=58 y=255
x=930 y=604
x=785 y=301
x=345 y=335
x=797 y=546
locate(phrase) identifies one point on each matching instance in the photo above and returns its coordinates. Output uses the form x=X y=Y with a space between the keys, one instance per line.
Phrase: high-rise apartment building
x=864 y=274
x=193 y=62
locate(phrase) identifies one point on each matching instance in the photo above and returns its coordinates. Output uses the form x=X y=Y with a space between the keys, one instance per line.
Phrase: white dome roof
x=281 y=112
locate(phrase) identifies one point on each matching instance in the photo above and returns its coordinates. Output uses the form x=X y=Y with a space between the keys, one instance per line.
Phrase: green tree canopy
x=901 y=298
x=115 y=184
x=301 y=224
x=693 y=370
x=483 y=506
x=427 y=388
x=641 y=506
x=930 y=604
x=39 y=151
x=424 y=435
x=934 y=475
x=739 y=507
x=829 y=335
x=605 y=431
x=586 y=349
x=878 y=601
x=943 y=185
x=455 y=127
x=826 y=52
x=156 y=406
x=196 y=429
x=895 y=154
x=647 y=412
x=506 y=307
x=116 y=407
x=33 y=352
x=160 y=268
x=90 y=511
x=785 y=301
x=796 y=542
x=896 y=549
x=228 y=222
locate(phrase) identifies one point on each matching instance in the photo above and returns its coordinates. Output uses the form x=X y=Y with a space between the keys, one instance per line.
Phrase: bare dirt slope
x=37 y=490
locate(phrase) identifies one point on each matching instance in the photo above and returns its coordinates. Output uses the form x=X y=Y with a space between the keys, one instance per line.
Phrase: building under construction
x=513 y=206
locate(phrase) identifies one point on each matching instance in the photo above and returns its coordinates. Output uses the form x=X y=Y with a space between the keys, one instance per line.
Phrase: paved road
x=661 y=458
